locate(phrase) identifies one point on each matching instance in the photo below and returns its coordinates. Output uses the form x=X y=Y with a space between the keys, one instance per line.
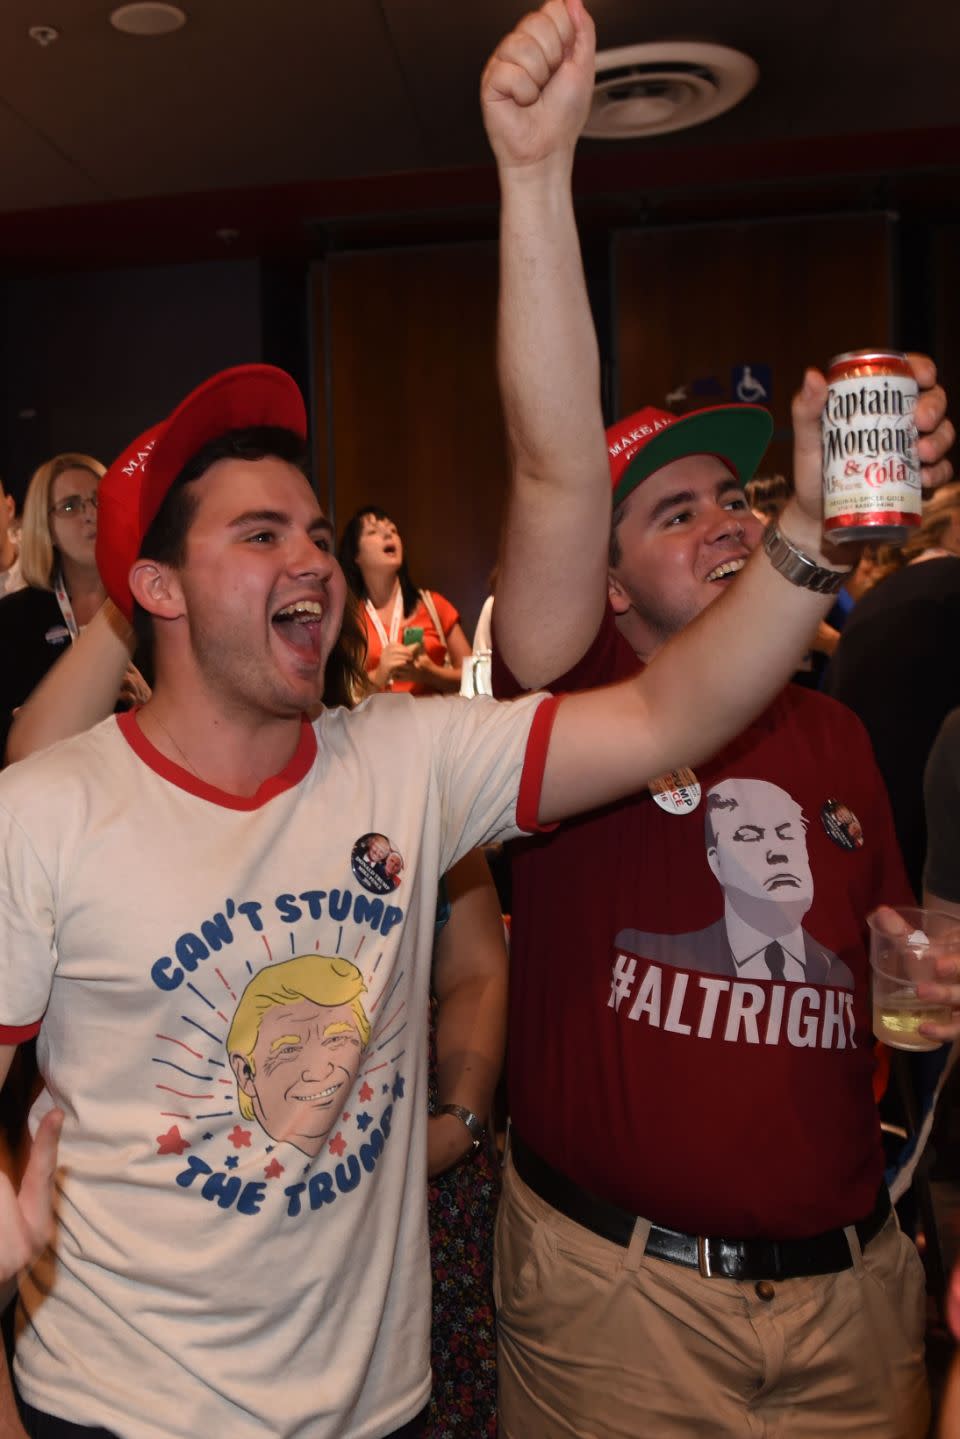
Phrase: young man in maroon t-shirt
x=695 y=1235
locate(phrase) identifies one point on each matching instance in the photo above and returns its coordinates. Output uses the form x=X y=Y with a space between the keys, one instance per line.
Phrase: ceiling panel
x=33 y=170
x=246 y=93
x=270 y=92
x=443 y=49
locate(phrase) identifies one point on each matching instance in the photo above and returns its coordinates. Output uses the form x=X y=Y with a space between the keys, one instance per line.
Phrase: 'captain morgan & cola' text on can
x=871 y=471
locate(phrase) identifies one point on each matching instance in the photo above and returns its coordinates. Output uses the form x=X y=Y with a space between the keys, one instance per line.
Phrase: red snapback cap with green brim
x=646 y=441
x=134 y=487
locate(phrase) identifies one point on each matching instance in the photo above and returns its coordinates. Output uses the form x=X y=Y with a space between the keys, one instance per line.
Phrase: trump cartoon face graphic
x=295 y=1045
x=756 y=840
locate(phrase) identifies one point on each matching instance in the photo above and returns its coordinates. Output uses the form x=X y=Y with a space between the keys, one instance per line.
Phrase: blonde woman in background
x=63 y=590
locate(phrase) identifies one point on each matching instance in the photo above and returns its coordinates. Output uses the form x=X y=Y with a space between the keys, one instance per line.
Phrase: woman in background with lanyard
x=415 y=641
x=63 y=590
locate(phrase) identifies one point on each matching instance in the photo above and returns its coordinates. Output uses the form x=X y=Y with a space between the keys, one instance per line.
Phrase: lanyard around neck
x=66 y=608
x=395 y=618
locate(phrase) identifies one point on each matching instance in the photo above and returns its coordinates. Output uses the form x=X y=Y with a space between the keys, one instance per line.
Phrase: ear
x=714 y=863
x=156 y=588
x=620 y=601
x=10 y=507
x=243 y=1074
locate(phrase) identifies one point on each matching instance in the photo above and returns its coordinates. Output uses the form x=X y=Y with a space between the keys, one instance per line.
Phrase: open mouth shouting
x=300 y=624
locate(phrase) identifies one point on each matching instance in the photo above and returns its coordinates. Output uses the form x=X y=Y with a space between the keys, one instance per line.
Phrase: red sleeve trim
x=18 y=1033
x=534 y=764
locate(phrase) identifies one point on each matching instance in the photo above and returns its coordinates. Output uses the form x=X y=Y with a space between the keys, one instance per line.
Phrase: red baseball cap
x=134 y=486
x=646 y=441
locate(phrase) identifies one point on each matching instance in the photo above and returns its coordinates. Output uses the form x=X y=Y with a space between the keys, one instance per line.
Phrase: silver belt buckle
x=703 y=1257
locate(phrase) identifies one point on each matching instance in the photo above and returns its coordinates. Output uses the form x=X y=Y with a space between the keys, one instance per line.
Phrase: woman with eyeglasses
x=63 y=590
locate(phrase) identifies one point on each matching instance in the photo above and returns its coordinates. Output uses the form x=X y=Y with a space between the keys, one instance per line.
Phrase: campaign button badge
x=677 y=792
x=841 y=825
x=377 y=863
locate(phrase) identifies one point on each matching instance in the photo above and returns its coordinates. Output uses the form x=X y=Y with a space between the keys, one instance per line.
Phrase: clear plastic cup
x=905 y=944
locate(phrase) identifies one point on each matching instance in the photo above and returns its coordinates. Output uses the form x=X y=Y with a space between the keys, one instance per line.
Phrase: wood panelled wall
x=406 y=406
x=407 y=414
x=691 y=304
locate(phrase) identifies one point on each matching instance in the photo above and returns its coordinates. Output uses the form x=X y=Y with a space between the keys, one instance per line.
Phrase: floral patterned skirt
x=462 y=1206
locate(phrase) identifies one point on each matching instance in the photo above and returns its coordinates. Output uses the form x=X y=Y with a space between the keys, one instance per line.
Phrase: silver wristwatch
x=799 y=568
x=467 y=1117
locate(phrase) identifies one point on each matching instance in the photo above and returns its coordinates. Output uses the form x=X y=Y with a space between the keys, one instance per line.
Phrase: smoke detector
x=643 y=90
x=148 y=18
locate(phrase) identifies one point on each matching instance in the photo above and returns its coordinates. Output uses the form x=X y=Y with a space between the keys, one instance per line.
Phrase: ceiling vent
x=643 y=90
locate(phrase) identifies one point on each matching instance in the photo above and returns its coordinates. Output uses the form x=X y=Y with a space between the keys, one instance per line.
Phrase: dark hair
x=768 y=494
x=345 y=680
x=347 y=555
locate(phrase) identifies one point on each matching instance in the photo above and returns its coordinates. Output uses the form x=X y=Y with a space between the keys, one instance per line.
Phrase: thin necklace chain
x=186 y=759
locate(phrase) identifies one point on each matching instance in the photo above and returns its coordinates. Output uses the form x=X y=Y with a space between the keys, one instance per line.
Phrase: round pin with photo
x=677 y=792
x=377 y=863
x=841 y=825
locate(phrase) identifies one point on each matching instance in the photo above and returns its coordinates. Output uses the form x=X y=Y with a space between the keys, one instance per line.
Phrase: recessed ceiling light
x=651 y=89
x=148 y=17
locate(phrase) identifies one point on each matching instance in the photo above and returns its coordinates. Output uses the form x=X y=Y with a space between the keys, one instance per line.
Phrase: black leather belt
x=714 y=1257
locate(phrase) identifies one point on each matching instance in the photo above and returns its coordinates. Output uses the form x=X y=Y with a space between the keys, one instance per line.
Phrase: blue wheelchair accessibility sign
x=752 y=384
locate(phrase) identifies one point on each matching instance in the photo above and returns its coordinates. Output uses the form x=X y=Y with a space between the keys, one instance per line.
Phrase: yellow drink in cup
x=897 y=1018
x=905 y=944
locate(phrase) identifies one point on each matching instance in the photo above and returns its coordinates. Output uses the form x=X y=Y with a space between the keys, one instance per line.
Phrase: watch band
x=467 y=1117
x=799 y=568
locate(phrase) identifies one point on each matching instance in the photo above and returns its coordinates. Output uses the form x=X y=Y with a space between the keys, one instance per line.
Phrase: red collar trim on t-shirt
x=291 y=774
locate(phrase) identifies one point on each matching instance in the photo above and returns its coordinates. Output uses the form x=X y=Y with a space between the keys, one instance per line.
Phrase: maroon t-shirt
x=689 y=1031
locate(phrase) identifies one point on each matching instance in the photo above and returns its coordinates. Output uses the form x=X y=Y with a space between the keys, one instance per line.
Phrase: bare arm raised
x=551 y=590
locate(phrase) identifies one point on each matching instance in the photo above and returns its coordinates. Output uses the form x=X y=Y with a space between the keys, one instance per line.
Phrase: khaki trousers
x=600 y=1342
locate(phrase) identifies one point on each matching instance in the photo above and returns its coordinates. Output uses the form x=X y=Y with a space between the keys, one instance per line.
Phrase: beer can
x=871 y=470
